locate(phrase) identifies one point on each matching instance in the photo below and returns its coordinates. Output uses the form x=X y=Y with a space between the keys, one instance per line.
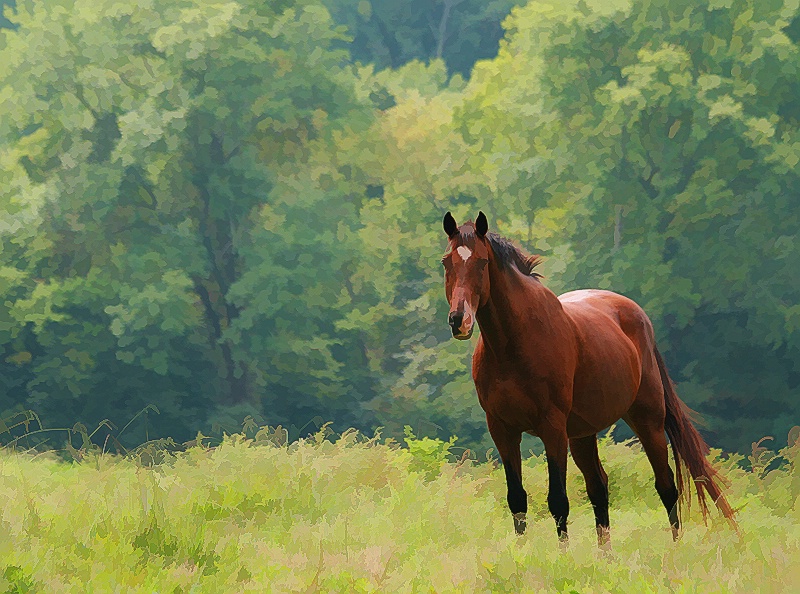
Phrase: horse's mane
x=507 y=253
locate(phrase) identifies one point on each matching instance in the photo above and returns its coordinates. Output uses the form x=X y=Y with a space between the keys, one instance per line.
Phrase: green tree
x=7 y=8
x=656 y=152
x=139 y=146
x=414 y=166
x=389 y=34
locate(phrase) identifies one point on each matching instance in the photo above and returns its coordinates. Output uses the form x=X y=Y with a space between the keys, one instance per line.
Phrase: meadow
x=347 y=513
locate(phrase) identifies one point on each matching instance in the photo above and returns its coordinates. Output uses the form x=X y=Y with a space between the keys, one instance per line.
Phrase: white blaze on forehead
x=464 y=252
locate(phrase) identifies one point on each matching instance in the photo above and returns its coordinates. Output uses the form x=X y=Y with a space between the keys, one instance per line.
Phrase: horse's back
x=584 y=305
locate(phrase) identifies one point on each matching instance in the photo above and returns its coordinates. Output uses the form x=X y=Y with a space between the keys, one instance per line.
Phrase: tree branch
x=79 y=94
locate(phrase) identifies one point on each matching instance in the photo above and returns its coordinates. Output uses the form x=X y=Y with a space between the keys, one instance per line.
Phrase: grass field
x=358 y=515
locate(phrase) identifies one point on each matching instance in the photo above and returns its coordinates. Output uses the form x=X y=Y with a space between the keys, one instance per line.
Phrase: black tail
x=690 y=450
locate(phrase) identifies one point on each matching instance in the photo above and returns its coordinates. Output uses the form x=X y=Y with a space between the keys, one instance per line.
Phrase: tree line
x=234 y=209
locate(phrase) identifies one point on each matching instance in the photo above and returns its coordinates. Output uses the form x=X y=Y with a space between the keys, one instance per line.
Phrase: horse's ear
x=450 y=225
x=481 y=224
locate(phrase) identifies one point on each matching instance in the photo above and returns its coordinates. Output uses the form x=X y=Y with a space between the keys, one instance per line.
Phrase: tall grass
x=353 y=514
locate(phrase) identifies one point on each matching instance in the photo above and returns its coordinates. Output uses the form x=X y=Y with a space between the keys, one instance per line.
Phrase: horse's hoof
x=520 y=523
x=563 y=542
x=604 y=538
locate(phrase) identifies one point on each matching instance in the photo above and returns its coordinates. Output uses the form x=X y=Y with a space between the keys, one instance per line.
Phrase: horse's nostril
x=455 y=319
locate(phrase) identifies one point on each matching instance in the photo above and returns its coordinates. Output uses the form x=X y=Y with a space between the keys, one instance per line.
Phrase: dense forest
x=234 y=208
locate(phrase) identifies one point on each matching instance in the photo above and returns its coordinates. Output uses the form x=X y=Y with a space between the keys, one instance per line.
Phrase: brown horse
x=564 y=368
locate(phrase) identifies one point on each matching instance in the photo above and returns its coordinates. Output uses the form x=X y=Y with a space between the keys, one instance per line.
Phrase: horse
x=563 y=369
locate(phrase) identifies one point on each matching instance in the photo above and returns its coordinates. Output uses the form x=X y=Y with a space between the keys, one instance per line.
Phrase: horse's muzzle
x=458 y=323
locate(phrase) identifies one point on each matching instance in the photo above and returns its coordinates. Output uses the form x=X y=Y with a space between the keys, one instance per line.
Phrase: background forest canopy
x=234 y=208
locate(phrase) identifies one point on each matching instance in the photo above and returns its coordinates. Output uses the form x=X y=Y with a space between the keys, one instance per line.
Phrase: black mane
x=507 y=254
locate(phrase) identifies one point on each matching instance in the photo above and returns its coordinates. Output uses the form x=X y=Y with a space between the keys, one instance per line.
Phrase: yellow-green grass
x=357 y=515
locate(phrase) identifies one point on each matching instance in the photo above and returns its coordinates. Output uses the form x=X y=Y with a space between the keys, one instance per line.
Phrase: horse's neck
x=518 y=307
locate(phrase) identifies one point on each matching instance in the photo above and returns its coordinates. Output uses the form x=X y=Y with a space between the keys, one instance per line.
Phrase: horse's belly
x=605 y=386
x=612 y=331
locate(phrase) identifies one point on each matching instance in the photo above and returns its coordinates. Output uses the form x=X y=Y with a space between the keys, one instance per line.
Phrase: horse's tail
x=690 y=450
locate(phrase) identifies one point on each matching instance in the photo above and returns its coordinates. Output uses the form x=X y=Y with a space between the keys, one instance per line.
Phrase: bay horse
x=563 y=369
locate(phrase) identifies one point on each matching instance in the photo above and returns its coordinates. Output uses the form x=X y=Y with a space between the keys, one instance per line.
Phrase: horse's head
x=466 y=277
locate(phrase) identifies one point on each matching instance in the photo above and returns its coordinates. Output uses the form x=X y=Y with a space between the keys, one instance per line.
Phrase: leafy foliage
x=233 y=209
x=390 y=34
x=136 y=171
x=7 y=8
x=652 y=154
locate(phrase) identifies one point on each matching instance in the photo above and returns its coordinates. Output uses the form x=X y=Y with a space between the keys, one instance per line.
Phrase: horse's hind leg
x=649 y=427
x=584 y=452
x=508 y=442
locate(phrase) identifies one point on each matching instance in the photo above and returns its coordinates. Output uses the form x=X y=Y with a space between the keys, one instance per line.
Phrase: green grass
x=358 y=515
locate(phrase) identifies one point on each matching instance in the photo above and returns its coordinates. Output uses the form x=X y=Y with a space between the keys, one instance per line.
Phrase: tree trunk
x=216 y=235
x=442 y=35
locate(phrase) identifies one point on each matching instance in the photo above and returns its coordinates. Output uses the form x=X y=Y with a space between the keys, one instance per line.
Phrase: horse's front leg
x=507 y=441
x=554 y=438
